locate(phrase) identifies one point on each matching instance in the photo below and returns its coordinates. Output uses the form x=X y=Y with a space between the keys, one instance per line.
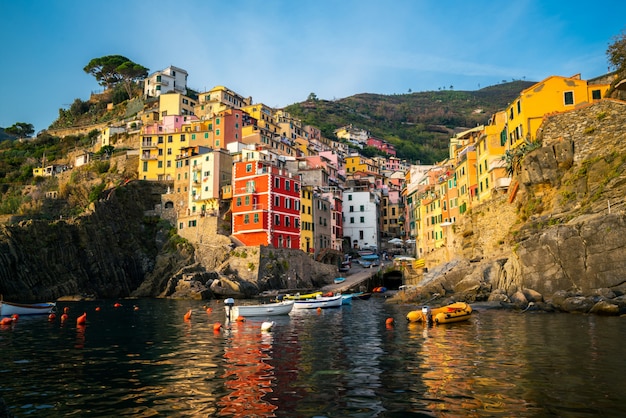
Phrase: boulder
x=532 y=295
x=605 y=307
x=578 y=304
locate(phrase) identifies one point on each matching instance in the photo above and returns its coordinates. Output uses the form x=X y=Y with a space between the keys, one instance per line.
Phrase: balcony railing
x=148 y=157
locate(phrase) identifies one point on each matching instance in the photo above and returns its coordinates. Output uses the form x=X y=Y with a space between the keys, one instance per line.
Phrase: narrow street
x=354 y=278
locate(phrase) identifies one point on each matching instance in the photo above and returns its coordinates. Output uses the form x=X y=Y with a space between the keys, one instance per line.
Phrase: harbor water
x=341 y=362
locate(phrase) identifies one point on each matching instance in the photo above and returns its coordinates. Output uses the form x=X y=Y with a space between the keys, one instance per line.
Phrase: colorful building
x=554 y=94
x=266 y=205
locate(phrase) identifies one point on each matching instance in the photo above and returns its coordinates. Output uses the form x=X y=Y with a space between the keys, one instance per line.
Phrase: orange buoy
x=187 y=316
x=64 y=317
x=117 y=305
x=52 y=316
x=217 y=326
x=319 y=310
x=6 y=321
x=97 y=309
x=241 y=319
x=66 y=309
x=81 y=320
x=209 y=310
x=15 y=316
x=135 y=307
x=389 y=321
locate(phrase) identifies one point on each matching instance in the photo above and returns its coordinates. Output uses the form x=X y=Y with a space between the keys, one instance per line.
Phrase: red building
x=266 y=205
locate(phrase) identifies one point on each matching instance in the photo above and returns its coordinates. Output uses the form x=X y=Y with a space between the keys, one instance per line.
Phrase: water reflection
x=343 y=362
x=248 y=374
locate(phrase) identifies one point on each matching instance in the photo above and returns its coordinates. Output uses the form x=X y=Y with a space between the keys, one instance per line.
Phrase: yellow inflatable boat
x=456 y=312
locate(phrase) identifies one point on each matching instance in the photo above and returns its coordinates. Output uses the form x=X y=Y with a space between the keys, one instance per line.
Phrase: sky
x=278 y=52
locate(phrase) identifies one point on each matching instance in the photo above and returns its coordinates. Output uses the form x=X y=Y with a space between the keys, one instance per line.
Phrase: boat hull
x=268 y=309
x=11 y=308
x=456 y=312
x=298 y=296
x=319 y=302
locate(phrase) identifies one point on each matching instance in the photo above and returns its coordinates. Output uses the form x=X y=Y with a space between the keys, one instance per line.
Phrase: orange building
x=266 y=205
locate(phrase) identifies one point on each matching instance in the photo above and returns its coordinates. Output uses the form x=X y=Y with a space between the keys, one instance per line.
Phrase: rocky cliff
x=106 y=252
x=561 y=239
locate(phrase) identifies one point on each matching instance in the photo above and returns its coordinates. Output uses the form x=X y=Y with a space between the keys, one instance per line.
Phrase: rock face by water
x=564 y=235
x=106 y=253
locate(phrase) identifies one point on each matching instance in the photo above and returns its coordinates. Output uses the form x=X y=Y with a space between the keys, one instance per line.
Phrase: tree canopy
x=112 y=70
x=616 y=53
x=21 y=129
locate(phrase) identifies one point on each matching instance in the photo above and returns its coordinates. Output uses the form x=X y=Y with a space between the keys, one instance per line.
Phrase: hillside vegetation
x=419 y=125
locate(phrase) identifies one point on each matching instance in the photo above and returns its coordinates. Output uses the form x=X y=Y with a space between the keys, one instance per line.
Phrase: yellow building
x=161 y=144
x=357 y=163
x=175 y=104
x=307 y=243
x=554 y=94
x=217 y=100
x=490 y=149
x=264 y=130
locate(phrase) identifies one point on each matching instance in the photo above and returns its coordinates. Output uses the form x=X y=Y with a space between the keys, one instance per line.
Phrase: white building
x=361 y=224
x=170 y=79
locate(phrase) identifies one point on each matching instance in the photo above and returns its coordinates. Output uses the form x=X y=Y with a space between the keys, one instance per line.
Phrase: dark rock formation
x=105 y=253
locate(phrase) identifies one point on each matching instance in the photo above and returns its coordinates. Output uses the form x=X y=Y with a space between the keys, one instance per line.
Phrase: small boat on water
x=347 y=297
x=363 y=296
x=319 y=302
x=298 y=296
x=339 y=280
x=267 y=309
x=456 y=312
x=12 y=308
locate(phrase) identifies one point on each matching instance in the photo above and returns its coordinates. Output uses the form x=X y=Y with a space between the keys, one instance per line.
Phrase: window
x=349 y=197
x=248 y=168
x=362 y=208
x=287 y=185
x=352 y=219
x=568 y=98
x=276 y=201
x=247 y=200
x=256 y=218
x=145 y=166
x=277 y=220
x=362 y=219
x=519 y=107
x=238 y=201
x=246 y=219
x=182 y=137
x=360 y=234
x=596 y=94
x=287 y=203
x=217 y=132
x=287 y=221
x=351 y=208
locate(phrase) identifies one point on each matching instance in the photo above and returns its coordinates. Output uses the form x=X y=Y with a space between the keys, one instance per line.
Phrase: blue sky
x=278 y=52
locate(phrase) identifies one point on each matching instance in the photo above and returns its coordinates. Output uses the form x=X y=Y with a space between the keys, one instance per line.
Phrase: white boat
x=11 y=308
x=319 y=302
x=339 y=280
x=267 y=309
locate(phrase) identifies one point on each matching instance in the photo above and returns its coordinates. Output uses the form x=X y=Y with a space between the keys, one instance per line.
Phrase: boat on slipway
x=319 y=302
x=12 y=308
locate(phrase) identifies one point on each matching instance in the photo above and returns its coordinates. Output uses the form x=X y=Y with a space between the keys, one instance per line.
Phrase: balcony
x=502 y=183
x=148 y=157
x=148 y=144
